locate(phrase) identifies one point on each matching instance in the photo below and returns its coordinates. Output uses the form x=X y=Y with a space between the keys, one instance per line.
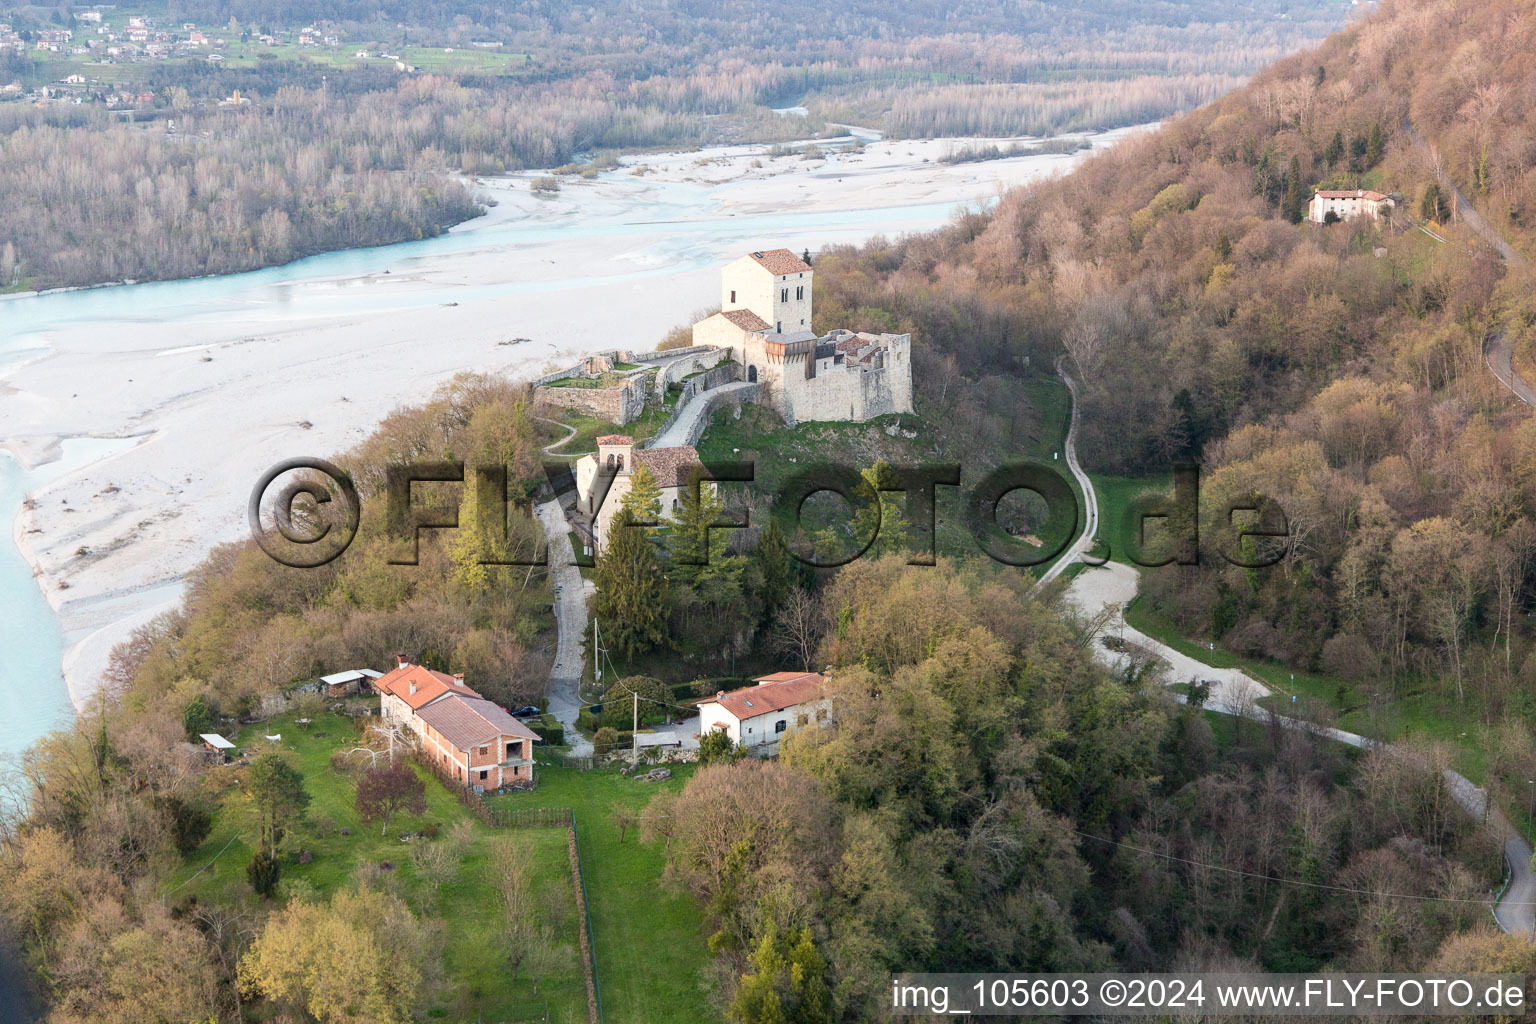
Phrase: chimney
x=401 y=661
x=458 y=679
x=413 y=686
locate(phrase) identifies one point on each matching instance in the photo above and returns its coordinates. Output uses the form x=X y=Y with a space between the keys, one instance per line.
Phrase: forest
x=1338 y=369
x=992 y=798
x=325 y=158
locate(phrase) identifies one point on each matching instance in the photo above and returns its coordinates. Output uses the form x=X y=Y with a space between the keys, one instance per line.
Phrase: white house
x=1347 y=204
x=762 y=715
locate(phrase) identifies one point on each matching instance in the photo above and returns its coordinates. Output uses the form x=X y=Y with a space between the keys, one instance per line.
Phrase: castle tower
x=774 y=285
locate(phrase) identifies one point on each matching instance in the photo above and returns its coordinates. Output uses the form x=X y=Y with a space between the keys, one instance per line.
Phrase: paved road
x=1083 y=543
x=1498 y=352
x=571 y=593
x=683 y=428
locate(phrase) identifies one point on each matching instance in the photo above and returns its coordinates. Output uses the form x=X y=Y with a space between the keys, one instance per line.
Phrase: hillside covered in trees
x=335 y=153
x=992 y=798
x=1338 y=369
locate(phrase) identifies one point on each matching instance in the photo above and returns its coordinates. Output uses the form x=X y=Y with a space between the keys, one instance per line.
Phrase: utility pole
x=634 y=733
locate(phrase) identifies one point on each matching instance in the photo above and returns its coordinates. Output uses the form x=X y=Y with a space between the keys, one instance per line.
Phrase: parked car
x=526 y=711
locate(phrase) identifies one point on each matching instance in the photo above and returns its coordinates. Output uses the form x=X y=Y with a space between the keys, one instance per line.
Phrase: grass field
x=1115 y=495
x=479 y=979
x=648 y=940
x=780 y=454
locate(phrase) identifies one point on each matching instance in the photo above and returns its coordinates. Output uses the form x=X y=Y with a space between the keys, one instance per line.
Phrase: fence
x=588 y=936
x=531 y=817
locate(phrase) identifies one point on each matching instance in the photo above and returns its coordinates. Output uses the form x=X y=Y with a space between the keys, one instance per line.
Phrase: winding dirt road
x=1110 y=587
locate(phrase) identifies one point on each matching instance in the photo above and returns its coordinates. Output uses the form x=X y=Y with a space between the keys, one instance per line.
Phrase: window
x=781 y=327
x=483 y=774
x=783 y=294
x=511 y=751
x=800 y=292
x=733 y=295
x=780 y=726
x=802 y=719
x=821 y=716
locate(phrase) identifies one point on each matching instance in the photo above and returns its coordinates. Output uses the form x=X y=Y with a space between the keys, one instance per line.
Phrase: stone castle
x=759 y=348
x=765 y=322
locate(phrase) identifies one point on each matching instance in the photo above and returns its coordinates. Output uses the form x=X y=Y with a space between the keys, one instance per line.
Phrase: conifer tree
x=643 y=499
x=631 y=601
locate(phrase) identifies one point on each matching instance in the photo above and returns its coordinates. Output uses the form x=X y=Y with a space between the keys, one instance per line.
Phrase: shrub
x=264 y=873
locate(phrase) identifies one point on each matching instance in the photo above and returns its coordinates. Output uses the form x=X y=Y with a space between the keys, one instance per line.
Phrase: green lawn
x=479 y=979
x=590 y=428
x=1115 y=494
x=648 y=939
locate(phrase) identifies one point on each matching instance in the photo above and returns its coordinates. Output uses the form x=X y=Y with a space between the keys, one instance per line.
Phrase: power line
x=1285 y=881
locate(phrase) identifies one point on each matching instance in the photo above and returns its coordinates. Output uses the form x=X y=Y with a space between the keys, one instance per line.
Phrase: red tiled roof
x=768 y=697
x=471 y=721
x=615 y=439
x=430 y=685
x=670 y=466
x=788 y=677
x=780 y=261
x=1354 y=193
x=746 y=319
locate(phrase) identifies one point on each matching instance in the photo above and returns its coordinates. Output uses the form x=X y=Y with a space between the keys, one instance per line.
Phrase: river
x=626 y=256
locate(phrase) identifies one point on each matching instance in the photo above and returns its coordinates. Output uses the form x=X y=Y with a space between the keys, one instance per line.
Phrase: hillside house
x=477 y=742
x=1347 y=205
x=758 y=717
x=409 y=688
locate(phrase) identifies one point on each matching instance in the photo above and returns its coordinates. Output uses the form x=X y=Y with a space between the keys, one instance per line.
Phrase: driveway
x=683 y=429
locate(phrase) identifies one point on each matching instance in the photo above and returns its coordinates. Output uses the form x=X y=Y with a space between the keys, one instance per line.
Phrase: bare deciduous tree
x=798 y=627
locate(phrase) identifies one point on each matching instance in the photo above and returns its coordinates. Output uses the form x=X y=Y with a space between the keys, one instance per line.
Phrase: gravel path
x=681 y=431
x=1084 y=543
x=571 y=592
x=1234 y=692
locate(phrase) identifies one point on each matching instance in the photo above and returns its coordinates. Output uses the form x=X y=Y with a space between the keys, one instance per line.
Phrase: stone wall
x=735 y=398
x=842 y=393
x=699 y=358
x=724 y=374
x=618 y=404
x=658 y=356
